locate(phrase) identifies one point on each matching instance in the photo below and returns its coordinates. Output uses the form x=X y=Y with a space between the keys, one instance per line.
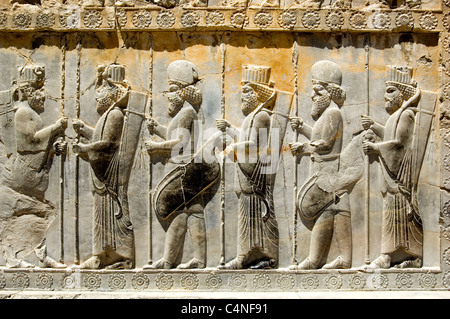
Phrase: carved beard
x=175 y=103
x=249 y=103
x=320 y=103
x=103 y=103
x=36 y=101
x=393 y=104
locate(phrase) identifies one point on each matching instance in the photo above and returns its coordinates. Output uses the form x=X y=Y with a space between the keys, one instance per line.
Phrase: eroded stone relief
x=224 y=145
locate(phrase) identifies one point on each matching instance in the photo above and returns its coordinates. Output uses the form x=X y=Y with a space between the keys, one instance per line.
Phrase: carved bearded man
x=323 y=204
x=113 y=242
x=25 y=213
x=179 y=141
x=257 y=224
x=402 y=232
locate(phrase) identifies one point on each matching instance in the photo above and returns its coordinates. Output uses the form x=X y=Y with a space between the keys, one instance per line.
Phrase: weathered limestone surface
x=228 y=146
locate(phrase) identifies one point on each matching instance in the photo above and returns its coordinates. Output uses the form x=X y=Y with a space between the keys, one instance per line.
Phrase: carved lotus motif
x=263 y=19
x=3 y=19
x=116 y=281
x=334 y=19
x=44 y=281
x=311 y=20
x=190 y=19
x=237 y=281
x=2 y=281
x=446 y=43
x=92 y=281
x=358 y=20
x=381 y=20
x=357 y=281
x=215 y=18
x=165 y=19
x=261 y=281
x=21 y=20
x=446 y=279
x=239 y=19
x=403 y=280
x=142 y=19
x=213 y=281
x=310 y=281
x=189 y=281
x=140 y=281
x=446 y=207
x=428 y=21
x=287 y=19
x=333 y=281
x=121 y=17
x=69 y=20
x=92 y=19
x=285 y=281
x=446 y=256
x=427 y=281
x=380 y=281
x=45 y=19
x=20 y=280
x=404 y=19
x=446 y=21
x=68 y=281
x=164 y=282
x=446 y=233
x=447 y=2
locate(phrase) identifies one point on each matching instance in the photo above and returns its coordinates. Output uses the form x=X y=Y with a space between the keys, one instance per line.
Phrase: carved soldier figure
x=257 y=224
x=113 y=242
x=323 y=203
x=25 y=213
x=402 y=232
x=180 y=139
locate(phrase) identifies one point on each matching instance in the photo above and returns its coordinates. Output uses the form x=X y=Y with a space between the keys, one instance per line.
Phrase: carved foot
x=127 y=264
x=236 y=263
x=160 y=264
x=338 y=263
x=51 y=263
x=265 y=264
x=21 y=264
x=193 y=263
x=91 y=263
x=382 y=262
x=305 y=265
x=415 y=263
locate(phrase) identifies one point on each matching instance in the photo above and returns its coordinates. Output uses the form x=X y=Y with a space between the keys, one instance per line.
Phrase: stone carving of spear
x=77 y=159
x=366 y=161
x=295 y=216
x=222 y=171
x=63 y=155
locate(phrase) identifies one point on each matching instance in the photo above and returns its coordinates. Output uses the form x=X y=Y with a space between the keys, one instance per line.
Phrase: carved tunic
x=402 y=224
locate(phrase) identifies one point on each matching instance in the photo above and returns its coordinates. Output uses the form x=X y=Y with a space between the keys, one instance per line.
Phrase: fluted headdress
x=401 y=78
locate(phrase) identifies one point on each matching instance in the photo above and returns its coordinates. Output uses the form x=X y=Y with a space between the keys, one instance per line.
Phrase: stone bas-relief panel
x=224 y=146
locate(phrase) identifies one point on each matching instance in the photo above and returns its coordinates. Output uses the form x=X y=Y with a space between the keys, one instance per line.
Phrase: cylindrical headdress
x=401 y=78
x=258 y=77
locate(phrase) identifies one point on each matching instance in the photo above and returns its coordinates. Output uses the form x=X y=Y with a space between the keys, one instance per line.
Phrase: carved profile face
x=175 y=100
x=321 y=100
x=249 y=99
x=394 y=99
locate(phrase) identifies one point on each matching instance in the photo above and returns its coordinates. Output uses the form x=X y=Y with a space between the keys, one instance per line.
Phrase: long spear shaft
x=63 y=156
x=150 y=166
x=294 y=244
x=222 y=171
x=77 y=159
x=367 y=163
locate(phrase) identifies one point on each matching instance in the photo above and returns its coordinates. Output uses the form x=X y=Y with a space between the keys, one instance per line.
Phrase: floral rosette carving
x=121 y=17
x=20 y=280
x=2 y=281
x=404 y=20
x=213 y=281
x=285 y=281
x=69 y=20
x=116 y=281
x=446 y=256
x=446 y=91
x=446 y=208
x=237 y=281
x=140 y=281
x=310 y=20
x=446 y=279
x=45 y=19
x=380 y=281
x=68 y=281
x=427 y=281
x=333 y=281
x=310 y=281
x=261 y=281
x=287 y=19
x=334 y=19
x=141 y=19
x=381 y=21
x=428 y=21
x=446 y=67
x=92 y=19
x=403 y=280
x=165 y=19
x=92 y=281
x=189 y=281
x=214 y=18
x=446 y=138
x=263 y=19
x=357 y=281
x=446 y=233
x=21 y=20
x=358 y=20
x=164 y=282
x=44 y=281
x=3 y=19
x=190 y=19
x=446 y=43
x=239 y=19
